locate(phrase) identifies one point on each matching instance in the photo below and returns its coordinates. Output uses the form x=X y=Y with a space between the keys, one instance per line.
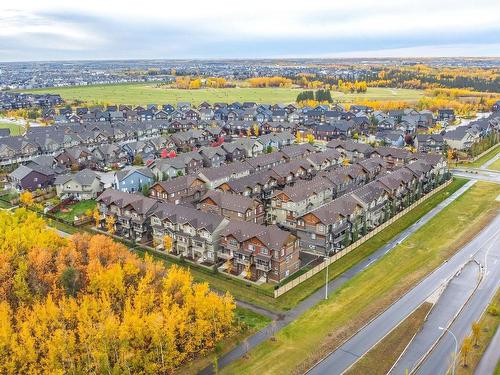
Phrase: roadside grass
x=324 y=327
x=382 y=356
x=495 y=165
x=145 y=93
x=77 y=209
x=489 y=324
x=14 y=128
x=483 y=159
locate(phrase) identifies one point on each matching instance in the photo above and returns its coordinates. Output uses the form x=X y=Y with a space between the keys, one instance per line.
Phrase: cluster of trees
x=351 y=87
x=484 y=144
x=88 y=305
x=217 y=82
x=260 y=82
x=425 y=77
x=25 y=113
x=320 y=96
x=187 y=83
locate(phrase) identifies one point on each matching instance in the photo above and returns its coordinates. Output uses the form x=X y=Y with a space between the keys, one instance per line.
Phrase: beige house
x=86 y=184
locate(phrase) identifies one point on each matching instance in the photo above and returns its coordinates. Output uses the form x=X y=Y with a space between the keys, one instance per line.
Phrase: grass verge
x=324 y=327
x=382 y=356
x=489 y=324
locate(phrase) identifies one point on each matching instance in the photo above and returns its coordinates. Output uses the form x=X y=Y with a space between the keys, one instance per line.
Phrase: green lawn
x=77 y=209
x=146 y=93
x=323 y=327
x=14 y=128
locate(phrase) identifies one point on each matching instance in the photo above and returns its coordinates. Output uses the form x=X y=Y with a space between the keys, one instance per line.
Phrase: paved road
x=440 y=360
x=450 y=302
x=477 y=174
x=333 y=285
x=346 y=355
x=491 y=357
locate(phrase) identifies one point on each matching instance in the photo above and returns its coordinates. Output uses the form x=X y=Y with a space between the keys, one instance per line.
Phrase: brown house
x=178 y=190
x=233 y=206
x=260 y=252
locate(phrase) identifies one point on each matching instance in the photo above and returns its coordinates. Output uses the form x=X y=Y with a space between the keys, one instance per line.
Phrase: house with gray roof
x=83 y=185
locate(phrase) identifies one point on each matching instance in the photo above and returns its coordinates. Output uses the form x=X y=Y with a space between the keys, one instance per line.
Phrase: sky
x=216 y=29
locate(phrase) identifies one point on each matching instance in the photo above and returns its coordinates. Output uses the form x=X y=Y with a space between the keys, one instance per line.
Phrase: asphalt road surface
x=478 y=174
x=487 y=240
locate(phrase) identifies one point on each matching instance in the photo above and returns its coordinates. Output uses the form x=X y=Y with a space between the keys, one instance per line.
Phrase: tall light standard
x=326 y=280
x=456 y=347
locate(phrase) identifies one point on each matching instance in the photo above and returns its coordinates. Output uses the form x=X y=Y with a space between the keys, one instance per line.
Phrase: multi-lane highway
x=483 y=246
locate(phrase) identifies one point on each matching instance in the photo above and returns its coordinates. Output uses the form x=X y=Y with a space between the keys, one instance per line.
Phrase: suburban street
x=333 y=285
x=484 y=245
x=477 y=174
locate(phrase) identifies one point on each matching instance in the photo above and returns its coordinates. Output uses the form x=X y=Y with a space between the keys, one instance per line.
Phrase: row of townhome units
x=329 y=228
x=202 y=235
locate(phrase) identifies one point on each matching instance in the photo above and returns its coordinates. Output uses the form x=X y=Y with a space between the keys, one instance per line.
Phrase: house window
x=251 y=247
x=264 y=251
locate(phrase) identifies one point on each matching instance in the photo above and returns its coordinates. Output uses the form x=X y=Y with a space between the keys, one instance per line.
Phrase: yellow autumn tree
x=110 y=224
x=310 y=138
x=167 y=243
x=96 y=215
x=88 y=305
x=26 y=198
x=256 y=130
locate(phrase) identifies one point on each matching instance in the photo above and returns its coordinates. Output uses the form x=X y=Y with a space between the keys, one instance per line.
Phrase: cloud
x=56 y=29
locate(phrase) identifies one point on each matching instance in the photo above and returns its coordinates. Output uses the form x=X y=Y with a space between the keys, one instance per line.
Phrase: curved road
x=347 y=354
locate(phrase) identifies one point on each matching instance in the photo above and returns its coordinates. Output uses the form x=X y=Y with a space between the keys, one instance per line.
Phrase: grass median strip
x=325 y=326
x=382 y=356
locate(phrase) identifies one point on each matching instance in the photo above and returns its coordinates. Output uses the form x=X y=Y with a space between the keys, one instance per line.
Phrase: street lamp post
x=326 y=281
x=456 y=347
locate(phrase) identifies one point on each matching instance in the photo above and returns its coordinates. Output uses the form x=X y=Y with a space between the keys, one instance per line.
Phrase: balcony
x=225 y=254
x=266 y=267
x=244 y=261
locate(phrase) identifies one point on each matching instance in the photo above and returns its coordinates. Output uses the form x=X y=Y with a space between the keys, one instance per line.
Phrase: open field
x=489 y=324
x=322 y=328
x=146 y=93
x=14 y=129
x=383 y=355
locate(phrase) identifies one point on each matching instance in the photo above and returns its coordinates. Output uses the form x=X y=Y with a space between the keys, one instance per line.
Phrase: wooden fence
x=293 y=283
